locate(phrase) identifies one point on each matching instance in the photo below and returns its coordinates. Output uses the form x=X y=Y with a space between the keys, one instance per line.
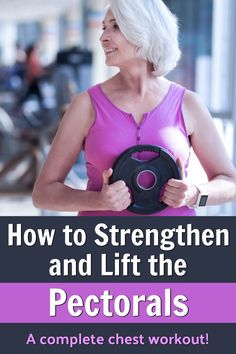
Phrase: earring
x=154 y=67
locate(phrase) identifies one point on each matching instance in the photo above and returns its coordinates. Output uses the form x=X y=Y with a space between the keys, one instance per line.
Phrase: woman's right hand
x=115 y=196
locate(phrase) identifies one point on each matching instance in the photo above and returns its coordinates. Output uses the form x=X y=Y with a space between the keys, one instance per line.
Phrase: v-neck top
x=115 y=130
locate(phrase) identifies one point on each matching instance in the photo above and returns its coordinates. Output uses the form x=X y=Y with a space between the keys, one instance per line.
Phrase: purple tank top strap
x=174 y=97
x=173 y=104
x=97 y=98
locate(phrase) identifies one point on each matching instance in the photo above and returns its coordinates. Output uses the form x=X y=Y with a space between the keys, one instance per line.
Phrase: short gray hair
x=151 y=26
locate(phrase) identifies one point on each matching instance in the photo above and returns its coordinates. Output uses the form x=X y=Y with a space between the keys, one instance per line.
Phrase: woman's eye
x=115 y=26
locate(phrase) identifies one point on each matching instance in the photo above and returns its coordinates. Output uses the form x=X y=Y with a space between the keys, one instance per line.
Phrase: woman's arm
x=50 y=192
x=210 y=151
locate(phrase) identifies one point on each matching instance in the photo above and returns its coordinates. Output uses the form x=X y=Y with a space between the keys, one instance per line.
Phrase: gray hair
x=151 y=26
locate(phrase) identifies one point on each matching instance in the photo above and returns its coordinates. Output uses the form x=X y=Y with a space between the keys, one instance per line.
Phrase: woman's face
x=118 y=50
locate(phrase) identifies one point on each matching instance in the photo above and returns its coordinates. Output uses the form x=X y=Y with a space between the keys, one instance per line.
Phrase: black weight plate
x=128 y=168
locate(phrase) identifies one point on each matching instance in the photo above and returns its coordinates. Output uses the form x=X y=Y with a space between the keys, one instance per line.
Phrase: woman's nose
x=106 y=36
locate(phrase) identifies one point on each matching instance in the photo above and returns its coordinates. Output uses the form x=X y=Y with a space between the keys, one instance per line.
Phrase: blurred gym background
x=49 y=52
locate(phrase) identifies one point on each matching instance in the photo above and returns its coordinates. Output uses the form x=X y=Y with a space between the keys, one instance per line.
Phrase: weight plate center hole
x=146 y=180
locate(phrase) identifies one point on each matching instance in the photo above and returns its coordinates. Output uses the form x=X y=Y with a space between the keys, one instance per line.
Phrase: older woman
x=136 y=106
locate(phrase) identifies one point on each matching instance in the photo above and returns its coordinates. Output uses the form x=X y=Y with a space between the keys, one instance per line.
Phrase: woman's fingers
x=106 y=175
x=114 y=196
x=176 y=190
x=181 y=167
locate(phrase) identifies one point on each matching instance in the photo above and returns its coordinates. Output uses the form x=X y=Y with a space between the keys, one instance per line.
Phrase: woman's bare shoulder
x=80 y=113
x=81 y=108
x=194 y=111
x=192 y=100
x=81 y=101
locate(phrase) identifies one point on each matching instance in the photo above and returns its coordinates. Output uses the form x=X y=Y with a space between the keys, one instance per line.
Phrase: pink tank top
x=114 y=131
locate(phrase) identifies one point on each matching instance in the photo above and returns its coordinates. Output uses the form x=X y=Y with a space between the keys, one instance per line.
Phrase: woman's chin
x=110 y=62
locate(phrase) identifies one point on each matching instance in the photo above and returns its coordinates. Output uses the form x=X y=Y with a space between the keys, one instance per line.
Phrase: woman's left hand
x=178 y=192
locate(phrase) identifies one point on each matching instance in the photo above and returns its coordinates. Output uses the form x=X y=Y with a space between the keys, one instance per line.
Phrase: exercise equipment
x=145 y=199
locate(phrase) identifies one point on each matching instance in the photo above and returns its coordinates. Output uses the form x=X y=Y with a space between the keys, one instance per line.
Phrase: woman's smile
x=109 y=51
